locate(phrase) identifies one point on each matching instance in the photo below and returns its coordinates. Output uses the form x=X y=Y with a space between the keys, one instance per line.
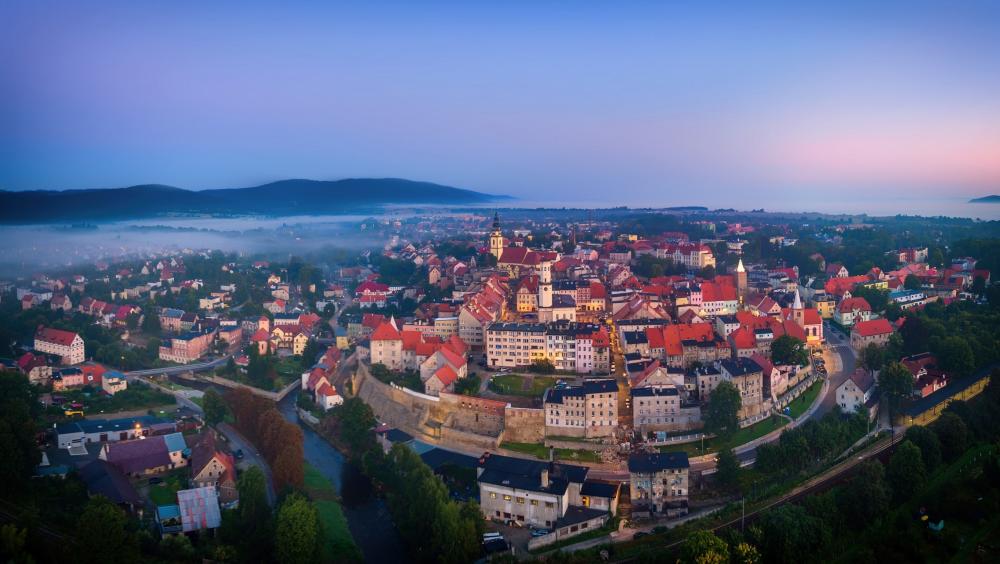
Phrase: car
x=238 y=454
x=539 y=532
x=154 y=480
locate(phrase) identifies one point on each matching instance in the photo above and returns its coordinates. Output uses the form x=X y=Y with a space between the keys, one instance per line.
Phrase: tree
x=356 y=421
x=916 y=337
x=254 y=515
x=103 y=534
x=896 y=382
x=955 y=356
x=297 y=533
x=18 y=411
x=927 y=441
x=911 y=282
x=704 y=547
x=866 y=496
x=311 y=351
x=724 y=404
x=789 y=350
x=953 y=435
x=788 y=533
x=978 y=286
x=906 y=473
x=213 y=406
x=745 y=553
x=727 y=469
x=542 y=366
x=469 y=385
x=872 y=357
x=151 y=322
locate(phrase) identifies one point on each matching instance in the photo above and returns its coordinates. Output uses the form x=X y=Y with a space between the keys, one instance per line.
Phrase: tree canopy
x=724 y=403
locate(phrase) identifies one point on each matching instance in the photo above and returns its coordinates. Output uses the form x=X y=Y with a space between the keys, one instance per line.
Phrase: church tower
x=798 y=312
x=741 y=281
x=545 y=285
x=496 y=237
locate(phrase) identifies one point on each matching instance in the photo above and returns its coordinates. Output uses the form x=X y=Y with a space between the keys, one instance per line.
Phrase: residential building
x=538 y=493
x=586 y=410
x=583 y=348
x=664 y=408
x=658 y=482
x=748 y=377
x=927 y=377
x=875 y=331
x=852 y=310
x=858 y=393
x=67 y=345
x=113 y=382
x=212 y=467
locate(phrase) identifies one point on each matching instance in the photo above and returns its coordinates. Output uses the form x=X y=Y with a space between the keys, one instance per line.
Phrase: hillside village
x=578 y=366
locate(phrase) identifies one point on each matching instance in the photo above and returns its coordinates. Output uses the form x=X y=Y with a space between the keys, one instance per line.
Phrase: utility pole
x=743 y=501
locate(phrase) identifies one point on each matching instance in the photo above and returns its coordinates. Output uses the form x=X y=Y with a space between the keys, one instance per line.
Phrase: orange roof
x=326 y=390
x=743 y=338
x=851 y=304
x=260 y=335
x=410 y=339
x=57 y=336
x=386 y=332
x=446 y=375
x=713 y=292
x=673 y=335
x=454 y=359
x=874 y=327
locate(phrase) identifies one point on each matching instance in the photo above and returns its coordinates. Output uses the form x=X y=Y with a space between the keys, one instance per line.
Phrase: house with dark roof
x=148 y=455
x=586 y=410
x=212 y=467
x=658 y=482
x=103 y=478
x=542 y=494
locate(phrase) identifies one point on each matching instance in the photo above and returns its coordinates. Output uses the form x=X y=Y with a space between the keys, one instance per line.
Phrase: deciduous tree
x=906 y=473
x=722 y=417
x=297 y=532
x=213 y=406
x=103 y=535
x=896 y=382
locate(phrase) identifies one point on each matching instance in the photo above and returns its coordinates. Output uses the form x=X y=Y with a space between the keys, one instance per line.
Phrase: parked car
x=539 y=532
x=154 y=480
x=238 y=454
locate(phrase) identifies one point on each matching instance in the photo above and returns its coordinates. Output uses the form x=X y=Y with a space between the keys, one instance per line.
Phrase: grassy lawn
x=742 y=436
x=338 y=545
x=138 y=396
x=542 y=452
x=800 y=404
x=166 y=493
x=513 y=385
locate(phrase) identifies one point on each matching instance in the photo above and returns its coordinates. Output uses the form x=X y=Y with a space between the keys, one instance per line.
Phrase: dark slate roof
x=576 y=514
x=139 y=455
x=436 y=458
x=526 y=474
x=647 y=463
x=104 y=479
x=602 y=386
x=741 y=366
x=397 y=436
x=651 y=391
x=600 y=489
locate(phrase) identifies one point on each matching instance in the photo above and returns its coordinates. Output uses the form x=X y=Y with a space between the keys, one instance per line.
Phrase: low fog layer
x=26 y=249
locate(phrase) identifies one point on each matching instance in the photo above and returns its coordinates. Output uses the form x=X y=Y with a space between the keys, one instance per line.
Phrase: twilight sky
x=658 y=103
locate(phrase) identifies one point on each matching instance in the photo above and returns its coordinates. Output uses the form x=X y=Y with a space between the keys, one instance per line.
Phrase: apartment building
x=658 y=482
x=67 y=345
x=587 y=410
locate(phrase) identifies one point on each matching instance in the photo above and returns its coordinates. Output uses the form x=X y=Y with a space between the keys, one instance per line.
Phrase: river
x=367 y=515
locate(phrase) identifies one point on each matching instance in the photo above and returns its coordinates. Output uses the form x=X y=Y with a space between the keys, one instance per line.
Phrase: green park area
x=517 y=385
x=800 y=404
x=542 y=452
x=138 y=396
x=337 y=537
x=743 y=436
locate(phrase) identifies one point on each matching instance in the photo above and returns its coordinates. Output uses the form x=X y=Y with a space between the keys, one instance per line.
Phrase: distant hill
x=992 y=199
x=285 y=197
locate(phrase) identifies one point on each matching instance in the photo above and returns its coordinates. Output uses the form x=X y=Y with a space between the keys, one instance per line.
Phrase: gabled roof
x=446 y=375
x=386 y=332
x=56 y=336
x=648 y=463
x=880 y=326
x=850 y=304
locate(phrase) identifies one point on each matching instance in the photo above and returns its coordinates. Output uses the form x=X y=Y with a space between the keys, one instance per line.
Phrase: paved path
x=250 y=455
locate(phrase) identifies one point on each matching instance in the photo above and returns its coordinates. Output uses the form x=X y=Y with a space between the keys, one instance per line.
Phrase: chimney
x=545 y=477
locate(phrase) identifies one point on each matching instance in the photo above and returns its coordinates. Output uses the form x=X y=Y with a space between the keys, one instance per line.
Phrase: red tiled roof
x=386 y=332
x=446 y=375
x=850 y=304
x=454 y=359
x=714 y=292
x=874 y=327
x=57 y=336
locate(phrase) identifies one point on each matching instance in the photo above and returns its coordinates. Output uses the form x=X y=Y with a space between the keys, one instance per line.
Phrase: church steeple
x=496 y=237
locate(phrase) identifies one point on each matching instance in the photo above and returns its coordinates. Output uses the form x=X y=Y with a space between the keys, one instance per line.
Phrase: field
x=517 y=385
x=338 y=544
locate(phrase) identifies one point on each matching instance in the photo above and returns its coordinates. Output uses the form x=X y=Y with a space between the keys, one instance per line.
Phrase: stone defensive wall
x=451 y=419
x=524 y=425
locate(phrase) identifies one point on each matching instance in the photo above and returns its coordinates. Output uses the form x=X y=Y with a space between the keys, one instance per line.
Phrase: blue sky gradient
x=595 y=102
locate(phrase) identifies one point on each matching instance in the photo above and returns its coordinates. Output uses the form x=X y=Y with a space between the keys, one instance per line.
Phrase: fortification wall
x=524 y=425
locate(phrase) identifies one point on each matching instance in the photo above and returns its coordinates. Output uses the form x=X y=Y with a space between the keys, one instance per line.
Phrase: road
x=840 y=366
x=180 y=369
x=818 y=483
x=235 y=439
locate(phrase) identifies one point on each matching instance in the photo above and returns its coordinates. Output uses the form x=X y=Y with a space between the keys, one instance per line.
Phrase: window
x=493 y=495
x=520 y=500
x=549 y=504
x=534 y=502
x=506 y=497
